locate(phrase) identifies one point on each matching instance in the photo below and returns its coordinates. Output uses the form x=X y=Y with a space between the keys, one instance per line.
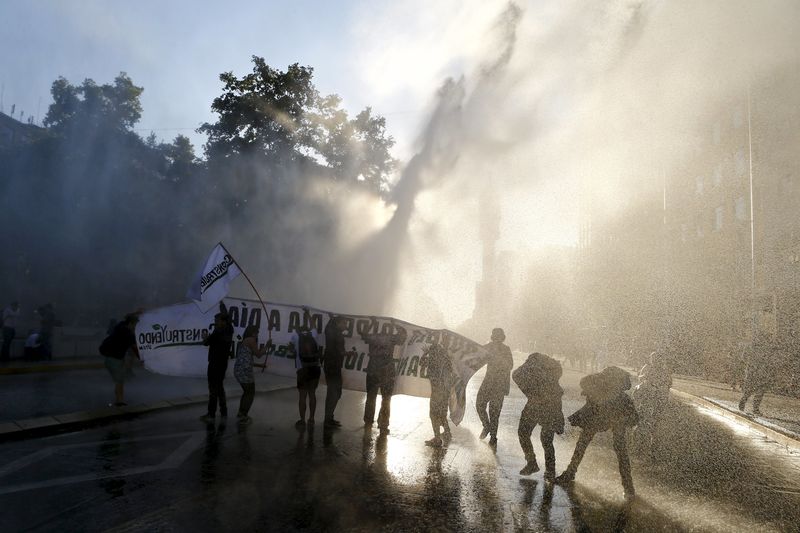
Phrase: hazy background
x=511 y=122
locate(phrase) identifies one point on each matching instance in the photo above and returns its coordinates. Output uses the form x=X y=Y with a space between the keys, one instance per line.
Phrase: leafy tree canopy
x=110 y=106
x=281 y=117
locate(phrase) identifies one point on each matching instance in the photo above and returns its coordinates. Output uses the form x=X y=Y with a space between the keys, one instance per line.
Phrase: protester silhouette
x=496 y=384
x=219 y=351
x=759 y=375
x=440 y=375
x=607 y=407
x=332 y=364
x=243 y=370
x=10 y=317
x=307 y=364
x=651 y=398
x=47 y=324
x=381 y=371
x=114 y=347
x=538 y=378
x=32 y=348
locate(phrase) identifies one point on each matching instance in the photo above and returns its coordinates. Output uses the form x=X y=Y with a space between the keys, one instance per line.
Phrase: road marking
x=192 y=441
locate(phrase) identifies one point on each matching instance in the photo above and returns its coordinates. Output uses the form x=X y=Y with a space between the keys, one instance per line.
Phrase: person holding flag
x=219 y=351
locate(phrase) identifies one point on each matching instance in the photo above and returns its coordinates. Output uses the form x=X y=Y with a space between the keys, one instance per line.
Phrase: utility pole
x=752 y=221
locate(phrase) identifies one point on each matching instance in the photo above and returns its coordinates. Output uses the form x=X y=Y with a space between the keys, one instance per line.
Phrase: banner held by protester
x=170 y=342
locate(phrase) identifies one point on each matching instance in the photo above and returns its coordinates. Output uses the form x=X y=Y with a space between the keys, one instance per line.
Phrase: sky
x=370 y=53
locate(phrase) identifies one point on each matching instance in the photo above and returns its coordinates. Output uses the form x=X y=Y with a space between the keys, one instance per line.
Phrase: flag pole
x=266 y=313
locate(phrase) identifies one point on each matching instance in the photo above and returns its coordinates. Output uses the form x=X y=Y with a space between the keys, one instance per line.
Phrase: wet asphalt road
x=169 y=472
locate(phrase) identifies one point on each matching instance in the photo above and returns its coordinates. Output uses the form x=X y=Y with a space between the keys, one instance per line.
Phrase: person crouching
x=607 y=407
x=538 y=378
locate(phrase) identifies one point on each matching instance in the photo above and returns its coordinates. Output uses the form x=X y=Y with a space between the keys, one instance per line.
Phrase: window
x=740 y=209
x=718 y=213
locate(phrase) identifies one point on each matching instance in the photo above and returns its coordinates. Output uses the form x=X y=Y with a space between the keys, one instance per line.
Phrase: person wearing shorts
x=307 y=363
x=114 y=348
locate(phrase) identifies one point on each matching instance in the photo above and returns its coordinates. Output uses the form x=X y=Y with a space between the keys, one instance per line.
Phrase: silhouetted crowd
x=607 y=407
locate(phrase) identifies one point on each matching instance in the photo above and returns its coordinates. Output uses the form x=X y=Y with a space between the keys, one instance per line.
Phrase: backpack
x=307 y=349
x=606 y=385
x=117 y=343
x=538 y=374
x=107 y=347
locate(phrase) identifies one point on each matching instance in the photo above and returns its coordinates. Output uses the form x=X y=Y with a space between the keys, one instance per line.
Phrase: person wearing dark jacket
x=607 y=407
x=219 y=351
x=496 y=384
x=332 y=365
x=538 y=378
x=381 y=372
x=114 y=348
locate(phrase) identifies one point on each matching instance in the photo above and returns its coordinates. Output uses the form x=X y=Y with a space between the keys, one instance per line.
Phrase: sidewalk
x=54 y=401
x=779 y=414
x=23 y=366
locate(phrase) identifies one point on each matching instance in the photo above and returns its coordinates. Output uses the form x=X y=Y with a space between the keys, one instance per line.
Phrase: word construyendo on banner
x=170 y=342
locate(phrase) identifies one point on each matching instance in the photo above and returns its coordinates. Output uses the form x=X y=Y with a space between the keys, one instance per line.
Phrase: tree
x=180 y=157
x=114 y=107
x=281 y=117
x=263 y=113
x=373 y=162
x=356 y=150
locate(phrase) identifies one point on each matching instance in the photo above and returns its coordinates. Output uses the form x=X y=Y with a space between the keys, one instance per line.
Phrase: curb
x=784 y=439
x=51 y=425
x=35 y=369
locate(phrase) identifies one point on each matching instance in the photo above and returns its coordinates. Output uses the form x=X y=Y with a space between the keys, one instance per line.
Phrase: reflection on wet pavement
x=170 y=472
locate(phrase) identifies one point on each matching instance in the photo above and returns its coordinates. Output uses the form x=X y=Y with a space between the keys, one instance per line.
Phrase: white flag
x=211 y=284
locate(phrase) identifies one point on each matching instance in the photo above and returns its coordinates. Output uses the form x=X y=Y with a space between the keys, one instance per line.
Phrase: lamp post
x=794 y=263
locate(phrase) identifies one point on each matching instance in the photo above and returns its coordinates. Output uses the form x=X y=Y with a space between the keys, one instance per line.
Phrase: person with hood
x=538 y=378
x=607 y=407
x=496 y=385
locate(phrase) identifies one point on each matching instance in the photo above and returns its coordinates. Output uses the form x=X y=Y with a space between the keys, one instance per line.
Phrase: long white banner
x=170 y=342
